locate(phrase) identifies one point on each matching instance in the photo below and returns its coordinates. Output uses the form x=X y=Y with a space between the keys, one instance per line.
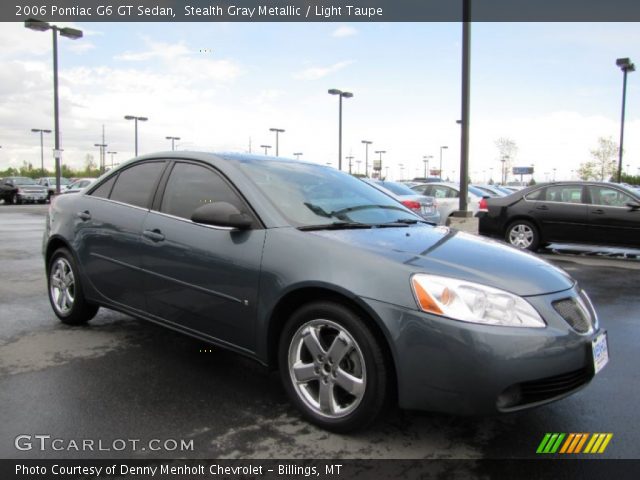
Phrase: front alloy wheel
x=333 y=367
x=327 y=368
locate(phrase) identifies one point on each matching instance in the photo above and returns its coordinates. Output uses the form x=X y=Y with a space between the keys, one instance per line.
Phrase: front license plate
x=600 y=352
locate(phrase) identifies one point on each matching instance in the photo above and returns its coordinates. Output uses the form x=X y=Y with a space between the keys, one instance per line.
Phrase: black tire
x=360 y=356
x=523 y=234
x=15 y=200
x=65 y=290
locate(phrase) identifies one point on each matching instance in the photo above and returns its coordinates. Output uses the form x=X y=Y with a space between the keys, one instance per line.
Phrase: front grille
x=575 y=313
x=536 y=391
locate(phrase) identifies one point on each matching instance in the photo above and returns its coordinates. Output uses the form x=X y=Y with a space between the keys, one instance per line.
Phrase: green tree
x=603 y=161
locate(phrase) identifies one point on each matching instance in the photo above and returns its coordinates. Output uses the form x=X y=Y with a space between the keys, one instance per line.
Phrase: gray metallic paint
x=441 y=364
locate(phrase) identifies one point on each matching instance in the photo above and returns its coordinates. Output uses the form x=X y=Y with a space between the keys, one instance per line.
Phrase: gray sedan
x=422 y=205
x=354 y=298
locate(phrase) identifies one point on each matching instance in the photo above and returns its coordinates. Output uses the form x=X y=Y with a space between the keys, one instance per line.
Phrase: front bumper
x=32 y=197
x=463 y=368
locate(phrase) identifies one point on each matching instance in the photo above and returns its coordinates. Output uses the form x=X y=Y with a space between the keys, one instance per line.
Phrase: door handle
x=153 y=235
x=542 y=207
x=599 y=211
x=86 y=215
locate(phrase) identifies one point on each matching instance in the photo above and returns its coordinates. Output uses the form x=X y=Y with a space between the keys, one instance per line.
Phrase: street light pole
x=102 y=147
x=278 y=131
x=380 y=152
x=626 y=66
x=425 y=159
x=173 y=139
x=136 y=119
x=297 y=155
x=341 y=94
x=366 y=156
x=266 y=147
x=350 y=158
x=41 y=131
x=73 y=34
x=444 y=147
x=112 y=154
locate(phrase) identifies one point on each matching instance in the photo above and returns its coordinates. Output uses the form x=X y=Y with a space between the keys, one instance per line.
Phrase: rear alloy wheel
x=524 y=235
x=332 y=367
x=65 y=291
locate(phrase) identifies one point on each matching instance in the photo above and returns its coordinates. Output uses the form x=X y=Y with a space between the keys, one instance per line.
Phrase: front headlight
x=472 y=302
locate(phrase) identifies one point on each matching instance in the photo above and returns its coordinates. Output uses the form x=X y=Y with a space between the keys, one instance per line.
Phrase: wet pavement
x=123 y=379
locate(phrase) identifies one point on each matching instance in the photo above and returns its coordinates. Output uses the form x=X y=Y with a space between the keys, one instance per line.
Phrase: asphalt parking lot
x=121 y=378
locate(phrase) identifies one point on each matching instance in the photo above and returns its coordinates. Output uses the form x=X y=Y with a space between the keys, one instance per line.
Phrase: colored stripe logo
x=574 y=443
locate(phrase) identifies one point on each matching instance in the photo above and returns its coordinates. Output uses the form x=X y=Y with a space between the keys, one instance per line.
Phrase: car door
x=199 y=277
x=109 y=232
x=561 y=212
x=611 y=220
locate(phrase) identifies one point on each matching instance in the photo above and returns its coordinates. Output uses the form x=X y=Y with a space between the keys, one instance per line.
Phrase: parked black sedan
x=596 y=213
x=304 y=268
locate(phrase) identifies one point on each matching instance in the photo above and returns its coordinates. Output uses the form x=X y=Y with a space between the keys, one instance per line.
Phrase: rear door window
x=564 y=193
x=135 y=185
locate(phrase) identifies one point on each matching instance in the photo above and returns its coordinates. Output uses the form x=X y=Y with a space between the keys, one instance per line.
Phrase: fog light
x=510 y=397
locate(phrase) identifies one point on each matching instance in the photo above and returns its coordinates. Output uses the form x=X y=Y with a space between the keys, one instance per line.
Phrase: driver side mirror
x=633 y=206
x=221 y=214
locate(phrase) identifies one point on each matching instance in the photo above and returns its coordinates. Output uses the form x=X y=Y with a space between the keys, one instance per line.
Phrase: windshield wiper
x=336 y=226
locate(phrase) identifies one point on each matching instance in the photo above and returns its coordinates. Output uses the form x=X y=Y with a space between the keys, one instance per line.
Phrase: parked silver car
x=422 y=205
x=447 y=196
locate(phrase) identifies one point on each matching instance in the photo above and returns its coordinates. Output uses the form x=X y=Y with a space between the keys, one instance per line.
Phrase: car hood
x=452 y=253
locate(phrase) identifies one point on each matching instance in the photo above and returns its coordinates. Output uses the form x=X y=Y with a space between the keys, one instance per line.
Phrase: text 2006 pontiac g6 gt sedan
x=310 y=270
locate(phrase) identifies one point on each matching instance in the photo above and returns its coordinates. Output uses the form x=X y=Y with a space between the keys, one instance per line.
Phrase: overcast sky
x=552 y=88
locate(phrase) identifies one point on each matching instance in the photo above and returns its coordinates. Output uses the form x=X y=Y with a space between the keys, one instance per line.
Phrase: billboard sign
x=523 y=170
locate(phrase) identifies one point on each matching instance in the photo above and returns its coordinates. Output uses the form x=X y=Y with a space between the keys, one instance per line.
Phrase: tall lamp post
x=136 y=120
x=73 y=34
x=626 y=66
x=425 y=159
x=341 y=95
x=266 y=147
x=102 y=147
x=173 y=142
x=297 y=155
x=350 y=159
x=278 y=131
x=380 y=152
x=444 y=147
x=41 y=132
x=112 y=154
x=366 y=156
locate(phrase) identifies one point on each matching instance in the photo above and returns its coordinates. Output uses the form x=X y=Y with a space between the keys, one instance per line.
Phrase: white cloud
x=315 y=73
x=80 y=47
x=344 y=31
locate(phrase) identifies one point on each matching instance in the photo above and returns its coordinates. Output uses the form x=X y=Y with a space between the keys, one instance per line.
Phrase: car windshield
x=397 y=188
x=23 y=181
x=315 y=195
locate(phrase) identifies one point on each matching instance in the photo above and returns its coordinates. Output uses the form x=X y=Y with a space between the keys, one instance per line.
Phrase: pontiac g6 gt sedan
x=307 y=269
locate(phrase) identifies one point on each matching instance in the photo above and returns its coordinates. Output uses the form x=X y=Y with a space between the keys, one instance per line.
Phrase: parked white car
x=447 y=197
x=79 y=184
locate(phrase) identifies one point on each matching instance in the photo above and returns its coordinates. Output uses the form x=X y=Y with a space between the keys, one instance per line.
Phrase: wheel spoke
x=349 y=383
x=305 y=372
x=312 y=342
x=339 y=348
x=60 y=299
x=326 y=398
